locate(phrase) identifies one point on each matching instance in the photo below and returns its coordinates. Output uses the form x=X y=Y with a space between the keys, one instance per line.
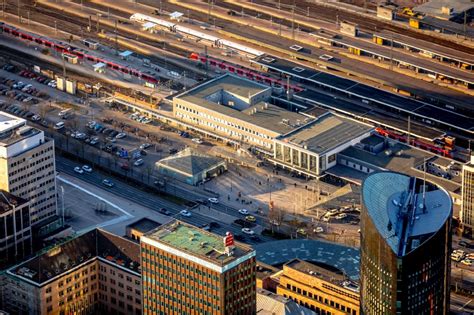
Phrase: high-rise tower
x=405 y=246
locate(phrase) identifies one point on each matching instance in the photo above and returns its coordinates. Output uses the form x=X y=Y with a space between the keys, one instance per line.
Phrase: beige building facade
x=27 y=166
x=97 y=272
x=238 y=110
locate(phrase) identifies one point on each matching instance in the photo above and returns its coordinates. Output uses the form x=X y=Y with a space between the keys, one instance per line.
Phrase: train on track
x=244 y=72
x=64 y=48
x=443 y=147
x=216 y=41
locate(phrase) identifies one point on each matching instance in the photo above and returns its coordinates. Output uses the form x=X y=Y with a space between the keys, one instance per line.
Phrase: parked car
x=250 y=218
x=78 y=170
x=121 y=135
x=87 y=168
x=197 y=140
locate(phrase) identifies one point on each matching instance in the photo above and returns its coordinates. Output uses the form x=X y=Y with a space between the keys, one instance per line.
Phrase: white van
x=64 y=112
x=59 y=125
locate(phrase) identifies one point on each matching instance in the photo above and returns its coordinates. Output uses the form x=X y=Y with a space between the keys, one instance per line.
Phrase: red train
x=443 y=151
x=66 y=48
x=244 y=72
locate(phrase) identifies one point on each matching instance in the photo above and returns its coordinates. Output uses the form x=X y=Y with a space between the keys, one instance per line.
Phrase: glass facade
x=299 y=159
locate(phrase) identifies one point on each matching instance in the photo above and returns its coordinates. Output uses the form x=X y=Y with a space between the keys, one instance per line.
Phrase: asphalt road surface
x=154 y=202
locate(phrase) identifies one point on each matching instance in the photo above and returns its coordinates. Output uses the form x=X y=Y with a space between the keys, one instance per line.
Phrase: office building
x=187 y=270
x=405 y=246
x=15 y=229
x=467 y=196
x=27 y=166
x=94 y=273
x=320 y=288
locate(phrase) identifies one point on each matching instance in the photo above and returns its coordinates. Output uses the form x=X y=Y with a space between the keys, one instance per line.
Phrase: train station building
x=241 y=111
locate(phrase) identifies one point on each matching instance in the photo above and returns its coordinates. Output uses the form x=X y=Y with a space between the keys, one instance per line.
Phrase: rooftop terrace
x=197 y=242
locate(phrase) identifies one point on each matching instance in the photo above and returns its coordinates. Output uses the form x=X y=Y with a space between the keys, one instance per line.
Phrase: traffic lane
x=461 y=304
x=148 y=200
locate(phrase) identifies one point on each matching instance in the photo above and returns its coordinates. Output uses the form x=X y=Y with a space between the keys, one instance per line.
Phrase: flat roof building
x=138 y=228
x=237 y=109
x=405 y=246
x=191 y=167
x=320 y=288
x=446 y=9
x=312 y=149
x=96 y=272
x=188 y=270
x=27 y=166
x=15 y=229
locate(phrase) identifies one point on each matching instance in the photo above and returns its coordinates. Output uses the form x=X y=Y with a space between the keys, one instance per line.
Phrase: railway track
x=374 y=25
x=78 y=25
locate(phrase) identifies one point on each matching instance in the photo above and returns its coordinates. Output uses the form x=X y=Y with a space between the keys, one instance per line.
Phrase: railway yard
x=122 y=70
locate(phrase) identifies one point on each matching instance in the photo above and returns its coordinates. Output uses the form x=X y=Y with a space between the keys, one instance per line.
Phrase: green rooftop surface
x=197 y=242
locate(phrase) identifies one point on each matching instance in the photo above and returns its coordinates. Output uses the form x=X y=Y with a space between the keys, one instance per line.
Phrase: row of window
x=320 y=299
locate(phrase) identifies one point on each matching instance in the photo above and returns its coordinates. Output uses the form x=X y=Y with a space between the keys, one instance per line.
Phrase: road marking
x=124 y=217
x=465 y=304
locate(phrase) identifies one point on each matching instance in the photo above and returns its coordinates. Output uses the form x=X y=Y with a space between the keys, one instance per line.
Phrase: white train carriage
x=192 y=32
x=142 y=18
x=241 y=48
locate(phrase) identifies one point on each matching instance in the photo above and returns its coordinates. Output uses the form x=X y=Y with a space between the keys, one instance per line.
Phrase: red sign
x=228 y=239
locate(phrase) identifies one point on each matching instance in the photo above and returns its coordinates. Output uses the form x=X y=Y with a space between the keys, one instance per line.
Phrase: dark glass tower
x=405 y=246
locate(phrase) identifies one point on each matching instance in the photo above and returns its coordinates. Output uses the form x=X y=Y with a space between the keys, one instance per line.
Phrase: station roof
x=190 y=162
x=389 y=99
x=396 y=206
x=326 y=133
x=427 y=46
x=176 y=15
x=99 y=65
x=197 y=242
x=126 y=53
x=148 y=25
x=262 y=114
x=342 y=257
